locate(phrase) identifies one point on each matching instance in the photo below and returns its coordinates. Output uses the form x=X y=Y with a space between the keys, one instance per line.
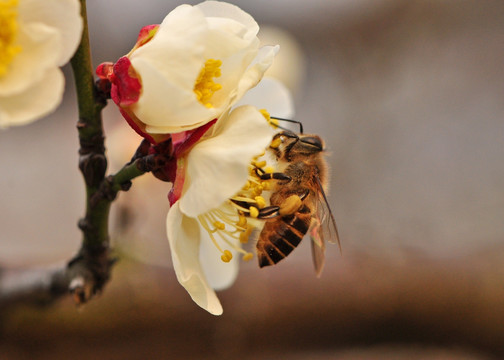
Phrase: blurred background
x=408 y=96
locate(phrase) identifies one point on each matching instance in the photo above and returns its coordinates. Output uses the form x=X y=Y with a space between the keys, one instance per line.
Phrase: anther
x=219 y=226
x=248 y=256
x=226 y=256
x=276 y=143
x=260 y=202
x=254 y=212
x=269 y=169
x=260 y=164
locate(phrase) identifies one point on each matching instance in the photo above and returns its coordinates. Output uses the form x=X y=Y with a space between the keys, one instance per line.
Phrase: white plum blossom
x=204 y=228
x=215 y=169
x=36 y=38
x=188 y=70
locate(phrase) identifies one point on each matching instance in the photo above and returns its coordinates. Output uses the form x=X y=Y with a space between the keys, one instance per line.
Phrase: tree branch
x=88 y=272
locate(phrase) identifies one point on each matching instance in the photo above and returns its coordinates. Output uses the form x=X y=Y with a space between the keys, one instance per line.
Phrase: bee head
x=294 y=145
x=312 y=143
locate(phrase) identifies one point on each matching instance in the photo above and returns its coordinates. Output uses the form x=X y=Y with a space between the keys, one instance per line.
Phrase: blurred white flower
x=189 y=70
x=36 y=38
x=290 y=64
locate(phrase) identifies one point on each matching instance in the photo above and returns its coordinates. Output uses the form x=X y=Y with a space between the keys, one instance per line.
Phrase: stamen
x=242 y=222
x=248 y=257
x=267 y=116
x=243 y=199
x=205 y=86
x=8 y=34
x=244 y=236
x=219 y=226
x=203 y=223
x=226 y=256
x=231 y=223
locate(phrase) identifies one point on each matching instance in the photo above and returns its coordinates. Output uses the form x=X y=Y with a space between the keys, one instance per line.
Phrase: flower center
x=227 y=228
x=205 y=86
x=8 y=33
x=230 y=226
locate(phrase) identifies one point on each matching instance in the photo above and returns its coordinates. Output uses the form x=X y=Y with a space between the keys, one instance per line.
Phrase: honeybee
x=298 y=201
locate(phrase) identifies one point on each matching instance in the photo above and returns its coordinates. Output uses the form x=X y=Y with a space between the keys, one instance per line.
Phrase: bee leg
x=269 y=212
x=269 y=176
x=304 y=195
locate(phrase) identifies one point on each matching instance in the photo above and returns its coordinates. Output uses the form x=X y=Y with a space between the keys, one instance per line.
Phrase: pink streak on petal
x=125 y=85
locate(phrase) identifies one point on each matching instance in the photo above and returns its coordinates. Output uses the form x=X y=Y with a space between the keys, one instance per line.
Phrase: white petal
x=272 y=95
x=183 y=235
x=62 y=15
x=36 y=102
x=255 y=72
x=177 y=50
x=164 y=104
x=220 y=275
x=216 y=9
x=41 y=45
x=217 y=167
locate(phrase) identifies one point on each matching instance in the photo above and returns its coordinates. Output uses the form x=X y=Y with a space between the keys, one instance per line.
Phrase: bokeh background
x=408 y=96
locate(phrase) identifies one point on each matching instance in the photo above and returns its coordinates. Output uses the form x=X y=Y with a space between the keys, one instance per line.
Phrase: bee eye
x=313 y=141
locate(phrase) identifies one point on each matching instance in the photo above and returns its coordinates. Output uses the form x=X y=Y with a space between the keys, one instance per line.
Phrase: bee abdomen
x=282 y=235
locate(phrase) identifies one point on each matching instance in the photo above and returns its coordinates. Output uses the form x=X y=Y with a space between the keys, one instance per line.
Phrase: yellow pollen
x=248 y=257
x=254 y=212
x=266 y=185
x=205 y=86
x=276 y=143
x=269 y=169
x=260 y=201
x=290 y=205
x=226 y=256
x=8 y=34
x=266 y=114
x=219 y=226
x=260 y=164
x=257 y=191
x=242 y=221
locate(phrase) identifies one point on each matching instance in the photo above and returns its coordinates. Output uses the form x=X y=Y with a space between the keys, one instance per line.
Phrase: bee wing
x=328 y=228
x=323 y=227
x=317 y=246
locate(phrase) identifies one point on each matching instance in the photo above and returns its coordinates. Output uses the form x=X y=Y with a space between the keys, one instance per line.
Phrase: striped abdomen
x=281 y=235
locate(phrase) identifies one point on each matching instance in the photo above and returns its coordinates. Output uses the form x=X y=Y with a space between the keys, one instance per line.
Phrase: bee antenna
x=291 y=121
